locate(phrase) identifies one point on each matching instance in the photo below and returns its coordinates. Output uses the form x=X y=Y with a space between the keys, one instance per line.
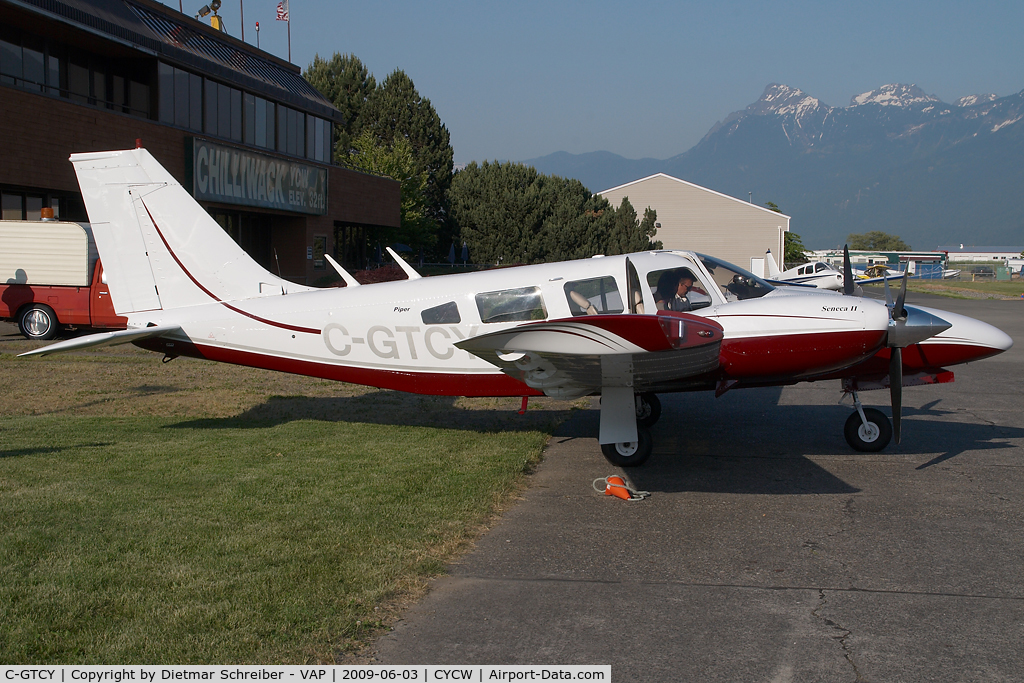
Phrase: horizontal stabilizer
x=103 y=339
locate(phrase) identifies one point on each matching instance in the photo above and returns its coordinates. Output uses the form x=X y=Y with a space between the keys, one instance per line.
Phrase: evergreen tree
x=510 y=213
x=795 y=249
x=348 y=85
x=627 y=234
x=395 y=160
x=395 y=108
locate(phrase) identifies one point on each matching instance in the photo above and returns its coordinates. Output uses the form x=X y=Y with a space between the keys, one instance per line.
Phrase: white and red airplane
x=601 y=326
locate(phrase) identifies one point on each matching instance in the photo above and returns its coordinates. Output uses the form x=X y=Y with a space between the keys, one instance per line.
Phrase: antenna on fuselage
x=404 y=265
x=349 y=280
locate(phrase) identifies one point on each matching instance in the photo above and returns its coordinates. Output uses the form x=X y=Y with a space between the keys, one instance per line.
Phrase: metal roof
x=181 y=40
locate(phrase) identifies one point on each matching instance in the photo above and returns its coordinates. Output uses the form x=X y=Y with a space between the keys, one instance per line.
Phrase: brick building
x=227 y=120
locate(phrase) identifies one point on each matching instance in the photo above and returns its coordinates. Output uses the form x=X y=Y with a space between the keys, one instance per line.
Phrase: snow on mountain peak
x=895 y=95
x=782 y=99
x=971 y=100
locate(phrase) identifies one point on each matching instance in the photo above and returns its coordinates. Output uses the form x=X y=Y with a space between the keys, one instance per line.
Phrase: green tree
x=628 y=234
x=793 y=247
x=796 y=252
x=395 y=109
x=877 y=240
x=348 y=85
x=396 y=160
x=510 y=213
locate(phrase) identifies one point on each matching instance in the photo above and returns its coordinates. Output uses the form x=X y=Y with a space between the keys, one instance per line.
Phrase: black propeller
x=848 y=284
x=897 y=319
x=906 y=328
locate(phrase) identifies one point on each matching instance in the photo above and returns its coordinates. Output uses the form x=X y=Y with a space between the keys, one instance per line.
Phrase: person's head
x=668 y=284
x=684 y=286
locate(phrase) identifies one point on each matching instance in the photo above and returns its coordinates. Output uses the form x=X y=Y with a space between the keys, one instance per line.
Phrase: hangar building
x=94 y=75
x=696 y=218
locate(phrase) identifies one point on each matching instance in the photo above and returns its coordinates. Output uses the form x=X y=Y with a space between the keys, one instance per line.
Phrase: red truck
x=51 y=278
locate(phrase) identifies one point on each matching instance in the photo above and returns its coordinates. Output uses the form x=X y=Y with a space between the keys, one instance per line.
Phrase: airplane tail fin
x=773 y=268
x=160 y=248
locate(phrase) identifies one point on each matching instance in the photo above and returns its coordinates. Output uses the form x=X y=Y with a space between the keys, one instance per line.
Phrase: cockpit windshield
x=734 y=282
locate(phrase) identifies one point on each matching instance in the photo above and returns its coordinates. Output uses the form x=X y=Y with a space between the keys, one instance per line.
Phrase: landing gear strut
x=867 y=430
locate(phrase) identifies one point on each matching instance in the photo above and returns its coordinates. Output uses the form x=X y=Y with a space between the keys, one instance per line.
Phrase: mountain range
x=895 y=159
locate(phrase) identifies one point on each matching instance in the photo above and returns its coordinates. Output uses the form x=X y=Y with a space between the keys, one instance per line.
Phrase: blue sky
x=518 y=80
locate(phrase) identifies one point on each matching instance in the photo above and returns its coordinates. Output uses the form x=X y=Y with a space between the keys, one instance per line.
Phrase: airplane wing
x=103 y=339
x=788 y=283
x=573 y=357
x=872 y=280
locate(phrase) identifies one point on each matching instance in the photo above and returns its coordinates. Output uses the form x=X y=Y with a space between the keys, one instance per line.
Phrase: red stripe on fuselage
x=433 y=383
x=197 y=283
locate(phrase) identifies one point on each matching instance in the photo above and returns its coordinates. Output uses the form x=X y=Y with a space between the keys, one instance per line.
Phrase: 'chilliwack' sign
x=229 y=175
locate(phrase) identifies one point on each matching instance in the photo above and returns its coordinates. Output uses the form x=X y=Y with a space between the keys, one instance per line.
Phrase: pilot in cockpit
x=676 y=292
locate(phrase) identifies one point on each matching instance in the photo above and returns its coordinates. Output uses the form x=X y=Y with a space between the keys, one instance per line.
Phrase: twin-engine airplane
x=623 y=327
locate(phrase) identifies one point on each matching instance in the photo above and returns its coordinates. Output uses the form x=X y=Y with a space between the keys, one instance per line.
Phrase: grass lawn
x=969 y=290
x=199 y=513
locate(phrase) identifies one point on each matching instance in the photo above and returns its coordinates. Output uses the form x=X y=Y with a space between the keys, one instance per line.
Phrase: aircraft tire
x=632 y=454
x=38 y=321
x=648 y=409
x=864 y=440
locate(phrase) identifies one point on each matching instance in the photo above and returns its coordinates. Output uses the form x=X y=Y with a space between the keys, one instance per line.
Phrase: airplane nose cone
x=975 y=338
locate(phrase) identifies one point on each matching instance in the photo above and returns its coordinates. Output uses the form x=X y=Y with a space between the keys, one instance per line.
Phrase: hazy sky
x=517 y=80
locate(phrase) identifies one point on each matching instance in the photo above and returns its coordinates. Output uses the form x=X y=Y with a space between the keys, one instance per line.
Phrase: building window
x=12 y=207
x=44 y=65
x=17 y=206
x=180 y=94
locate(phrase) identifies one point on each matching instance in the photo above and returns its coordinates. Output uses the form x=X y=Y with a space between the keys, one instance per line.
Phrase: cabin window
x=818 y=267
x=510 y=305
x=440 y=315
x=594 y=296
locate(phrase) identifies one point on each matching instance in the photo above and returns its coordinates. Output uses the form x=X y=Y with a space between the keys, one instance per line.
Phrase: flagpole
x=289 y=35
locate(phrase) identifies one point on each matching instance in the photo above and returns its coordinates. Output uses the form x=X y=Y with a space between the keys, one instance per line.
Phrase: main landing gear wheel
x=870 y=437
x=631 y=453
x=648 y=409
x=38 y=322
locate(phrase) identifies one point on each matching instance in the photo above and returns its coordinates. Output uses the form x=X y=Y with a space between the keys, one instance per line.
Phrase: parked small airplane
x=623 y=327
x=819 y=274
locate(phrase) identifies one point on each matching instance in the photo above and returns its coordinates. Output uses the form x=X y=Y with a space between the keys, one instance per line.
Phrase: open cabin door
x=634 y=292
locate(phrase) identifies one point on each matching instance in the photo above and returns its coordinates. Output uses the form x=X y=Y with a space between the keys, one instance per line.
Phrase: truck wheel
x=38 y=321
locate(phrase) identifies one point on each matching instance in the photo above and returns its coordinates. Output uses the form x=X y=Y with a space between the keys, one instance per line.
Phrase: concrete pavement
x=768 y=550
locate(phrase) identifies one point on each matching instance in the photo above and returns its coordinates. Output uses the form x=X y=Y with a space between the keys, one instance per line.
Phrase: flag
x=282 y=10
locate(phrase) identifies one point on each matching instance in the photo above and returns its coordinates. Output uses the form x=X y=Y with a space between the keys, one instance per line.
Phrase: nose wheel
x=630 y=453
x=868 y=430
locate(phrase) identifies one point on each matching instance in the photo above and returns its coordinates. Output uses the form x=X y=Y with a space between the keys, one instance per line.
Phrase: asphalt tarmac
x=768 y=549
